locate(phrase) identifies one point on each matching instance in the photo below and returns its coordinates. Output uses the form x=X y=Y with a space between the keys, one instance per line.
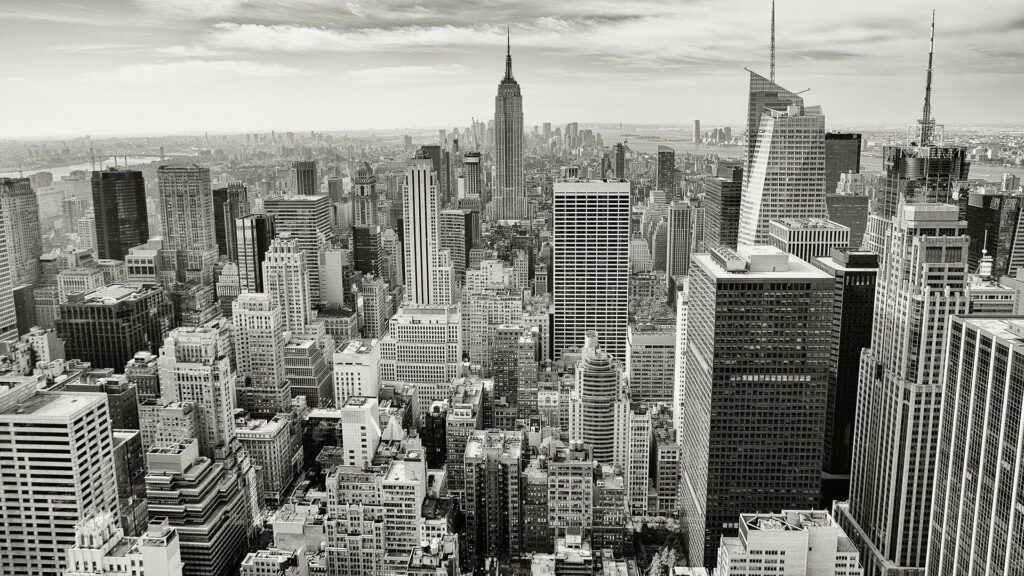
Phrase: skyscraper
x=620 y=160
x=189 y=249
x=920 y=285
x=598 y=378
x=667 y=171
x=307 y=181
x=308 y=220
x=975 y=487
x=756 y=376
x=680 y=236
x=254 y=234
x=785 y=176
x=20 y=208
x=509 y=191
x=591 y=263
x=853 y=305
x=696 y=132
x=842 y=156
x=119 y=203
x=58 y=445
x=493 y=464
x=364 y=196
x=993 y=221
x=229 y=204
x=722 y=200
x=428 y=271
x=459 y=232
x=287 y=280
x=259 y=333
x=8 y=313
x=367 y=249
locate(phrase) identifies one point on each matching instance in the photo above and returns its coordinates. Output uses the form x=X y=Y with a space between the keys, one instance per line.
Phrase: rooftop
x=52 y=405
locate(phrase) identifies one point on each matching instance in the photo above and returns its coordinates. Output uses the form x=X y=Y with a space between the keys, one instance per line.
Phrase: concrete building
x=651 y=361
x=102 y=549
x=591 y=263
x=377 y=306
x=680 y=238
x=259 y=332
x=360 y=430
x=287 y=279
x=163 y=424
x=107 y=327
x=722 y=201
x=364 y=196
x=493 y=464
x=307 y=220
x=807 y=238
x=920 y=285
x=356 y=370
x=309 y=372
x=509 y=202
x=60 y=445
x=19 y=212
x=797 y=542
x=269 y=444
x=735 y=398
x=189 y=249
x=598 y=380
x=428 y=270
x=465 y=416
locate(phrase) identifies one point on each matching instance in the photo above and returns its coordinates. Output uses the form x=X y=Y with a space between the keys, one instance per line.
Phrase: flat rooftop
x=53 y=405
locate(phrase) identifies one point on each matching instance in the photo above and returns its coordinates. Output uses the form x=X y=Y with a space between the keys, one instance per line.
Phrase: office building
x=19 y=208
x=756 y=374
x=109 y=326
x=591 y=263
x=806 y=238
x=164 y=424
x=129 y=475
x=459 y=232
x=465 y=417
x=307 y=220
x=428 y=270
x=850 y=210
x=364 y=196
x=78 y=280
x=377 y=306
x=367 y=250
x=493 y=465
x=921 y=280
x=651 y=361
x=631 y=434
x=307 y=181
x=360 y=430
x=619 y=161
x=853 y=305
x=514 y=371
x=195 y=367
x=254 y=234
x=992 y=224
x=356 y=370
x=269 y=444
x=722 y=200
x=598 y=379
x=102 y=549
x=666 y=177
x=680 y=238
x=696 y=132
x=795 y=542
x=423 y=347
x=204 y=501
x=786 y=166
x=9 y=317
x=189 y=249
x=842 y=156
x=309 y=372
x=974 y=490
x=229 y=204
x=509 y=202
x=58 y=445
x=287 y=279
x=119 y=205
x=259 y=333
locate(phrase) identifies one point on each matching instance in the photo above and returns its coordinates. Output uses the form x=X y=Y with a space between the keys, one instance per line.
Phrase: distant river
x=61 y=171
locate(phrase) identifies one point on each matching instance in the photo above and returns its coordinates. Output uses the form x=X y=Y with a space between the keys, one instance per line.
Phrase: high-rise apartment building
x=921 y=283
x=229 y=204
x=807 y=238
x=58 y=470
x=842 y=156
x=722 y=200
x=19 y=207
x=195 y=366
x=287 y=279
x=307 y=219
x=666 y=177
x=119 y=204
x=853 y=305
x=428 y=270
x=307 y=180
x=680 y=238
x=979 y=444
x=259 y=333
x=254 y=234
x=493 y=465
x=591 y=263
x=758 y=342
x=785 y=176
x=107 y=327
x=509 y=202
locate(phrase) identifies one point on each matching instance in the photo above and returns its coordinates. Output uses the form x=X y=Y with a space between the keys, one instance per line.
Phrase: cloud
x=86 y=48
x=170 y=73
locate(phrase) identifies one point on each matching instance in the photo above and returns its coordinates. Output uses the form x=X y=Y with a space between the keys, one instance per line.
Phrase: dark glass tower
x=667 y=170
x=119 y=202
x=228 y=204
x=842 y=156
x=722 y=196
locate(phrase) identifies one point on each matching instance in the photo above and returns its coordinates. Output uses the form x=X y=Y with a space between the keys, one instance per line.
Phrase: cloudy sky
x=160 y=66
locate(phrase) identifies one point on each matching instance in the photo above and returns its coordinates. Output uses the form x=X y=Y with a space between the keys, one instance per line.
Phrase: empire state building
x=509 y=201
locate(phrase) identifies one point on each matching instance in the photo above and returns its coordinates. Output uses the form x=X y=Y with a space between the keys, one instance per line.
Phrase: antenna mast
x=772 y=65
x=927 y=123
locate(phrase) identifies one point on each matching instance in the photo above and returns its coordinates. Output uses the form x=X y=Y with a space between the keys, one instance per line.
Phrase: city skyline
x=232 y=65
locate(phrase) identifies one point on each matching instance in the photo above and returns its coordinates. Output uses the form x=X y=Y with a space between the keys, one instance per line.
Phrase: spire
x=926 y=122
x=772 y=64
x=508 y=53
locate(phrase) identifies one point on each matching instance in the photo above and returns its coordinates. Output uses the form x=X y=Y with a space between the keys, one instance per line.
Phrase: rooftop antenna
x=772 y=65
x=927 y=123
x=508 y=52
